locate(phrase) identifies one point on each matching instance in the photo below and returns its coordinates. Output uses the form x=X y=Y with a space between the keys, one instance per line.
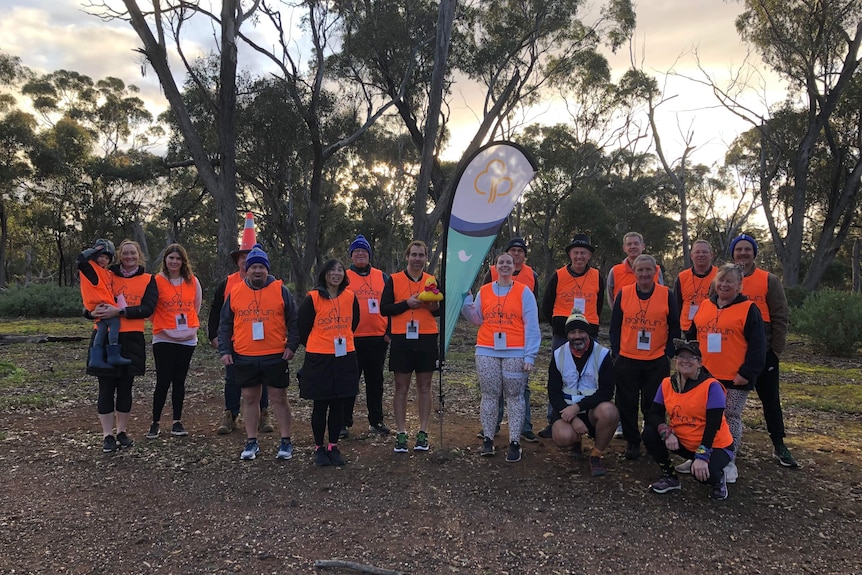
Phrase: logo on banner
x=492 y=181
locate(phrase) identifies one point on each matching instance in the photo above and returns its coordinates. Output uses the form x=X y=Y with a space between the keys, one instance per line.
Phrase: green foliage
x=832 y=321
x=796 y=296
x=40 y=301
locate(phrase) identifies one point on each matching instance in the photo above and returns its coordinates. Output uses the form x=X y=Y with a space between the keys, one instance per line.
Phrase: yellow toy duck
x=431 y=291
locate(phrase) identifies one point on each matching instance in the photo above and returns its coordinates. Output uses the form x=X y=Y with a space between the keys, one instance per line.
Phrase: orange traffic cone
x=249 y=237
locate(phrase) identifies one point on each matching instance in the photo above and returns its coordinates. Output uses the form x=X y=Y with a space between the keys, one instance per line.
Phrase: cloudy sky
x=59 y=34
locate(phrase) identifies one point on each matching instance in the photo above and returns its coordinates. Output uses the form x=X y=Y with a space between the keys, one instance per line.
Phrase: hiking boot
x=782 y=454
x=251 y=449
x=665 y=484
x=514 y=453
x=154 y=431
x=177 y=429
x=684 y=467
x=264 y=425
x=228 y=423
x=488 y=449
x=401 y=442
x=719 y=491
x=633 y=451
x=124 y=440
x=546 y=432
x=597 y=466
x=344 y=433
x=731 y=473
x=335 y=457
x=285 y=449
x=321 y=456
x=618 y=434
x=109 y=445
x=529 y=436
x=577 y=452
x=379 y=428
x=421 y=442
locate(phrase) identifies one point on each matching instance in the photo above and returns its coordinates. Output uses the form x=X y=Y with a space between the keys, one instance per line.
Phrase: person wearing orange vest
x=327 y=320
x=687 y=417
x=644 y=322
x=623 y=274
x=414 y=345
x=730 y=331
x=574 y=287
x=371 y=337
x=232 y=391
x=258 y=334
x=766 y=291
x=506 y=346
x=175 y=334
x=692 y=285
x=138 y=290
x=517 y=248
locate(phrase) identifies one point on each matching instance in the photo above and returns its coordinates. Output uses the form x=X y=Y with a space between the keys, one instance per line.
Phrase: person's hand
x=288 y=354
x=739 y=381
x=214 y=342
x=105 y=311
x=227 y=359
x=413 y=302
x=528 y=367
x=579 y=426
x=700 y=469
x=672 y=442
x=569 y=413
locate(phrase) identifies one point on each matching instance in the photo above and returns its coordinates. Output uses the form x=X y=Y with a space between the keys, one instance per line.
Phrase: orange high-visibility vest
x=230 y=283
x=502 y=314
x=332 y=320
x=755 y=287
x=624 y=276
x=570 y=288
x=265 y=305
x=693 y=290
x=175 y=300
x=640 y=316
x=132 y=289
x=730 y=323
x=403 y=287
x=687 y=415
x=366 y=288
x=526 y=276
x=102 y=292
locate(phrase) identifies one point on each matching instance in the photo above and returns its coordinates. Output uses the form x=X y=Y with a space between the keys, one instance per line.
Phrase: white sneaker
x=684 y=467
x=618 y=434
x=731 y=473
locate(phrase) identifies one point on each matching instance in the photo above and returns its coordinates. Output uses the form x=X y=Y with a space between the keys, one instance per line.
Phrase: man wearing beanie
x=580 y=389
x=767 y=293
x=370 y=337
x=258 y=334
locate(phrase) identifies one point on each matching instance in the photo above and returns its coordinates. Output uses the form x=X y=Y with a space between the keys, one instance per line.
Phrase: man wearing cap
x=692 y=285
x=767 y=293
x=574 y=287
x=580 y=389
x=232 y=392
x=258 y=335
x=517 y=248
x=370 y=337
x=623 y=274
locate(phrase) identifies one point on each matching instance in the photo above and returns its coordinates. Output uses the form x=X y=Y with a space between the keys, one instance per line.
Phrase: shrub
x=41 y=301
x=832 y=321
x=796 y=296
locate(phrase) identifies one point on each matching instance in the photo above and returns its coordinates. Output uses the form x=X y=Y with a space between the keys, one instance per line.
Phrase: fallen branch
x=338 y=563
x=6 y=338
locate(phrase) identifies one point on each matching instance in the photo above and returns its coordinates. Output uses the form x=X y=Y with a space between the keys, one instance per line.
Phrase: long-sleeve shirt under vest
x=586 y=381
x=392 y=308
x=307 y=313
x=618 y=321
x=549 y=300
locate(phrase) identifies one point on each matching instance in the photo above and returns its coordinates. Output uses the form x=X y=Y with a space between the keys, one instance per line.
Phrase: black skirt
x=324 y=376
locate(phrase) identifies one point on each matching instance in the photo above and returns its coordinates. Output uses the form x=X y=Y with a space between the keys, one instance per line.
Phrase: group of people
x=724 y=338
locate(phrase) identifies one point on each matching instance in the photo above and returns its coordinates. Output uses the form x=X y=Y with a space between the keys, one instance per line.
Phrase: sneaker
x=782 y=454
x=514 y=453
x=618 y=434
x=597 y=466
x=529 y=436
x=719 y=492
x=335 y=457
x=251 y=449
x=153 y=432
x=285 y=450
x=380 y=428
x=684 y=467
x=401 y=442
x=481 y=433
x=321 y=456
x=344 y=433
x=633 y=451
x=731 y=473
x=546 y=432
x=177 y=430
x=665 y=484
x=577 y=452
x=109 y=445
x=228 y=423
x=488 y=449
x=124 y=440
x=421 y=442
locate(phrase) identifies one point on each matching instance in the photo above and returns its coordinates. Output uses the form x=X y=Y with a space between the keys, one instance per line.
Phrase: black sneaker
x=514 y=453
x=344 y=433
x=124 y=440
x=546 y=432
x=782 y=454
x=178 y=430
x=529 y=436
x=109 y=445
x=380 y=428
x=154 y=431
x=335 y=457
x=487 y=448
x=633 y=451
x=321 y=456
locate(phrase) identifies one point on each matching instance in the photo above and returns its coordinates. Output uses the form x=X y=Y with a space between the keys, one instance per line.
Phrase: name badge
x=257 y=330
x=692 y=310
x=412 y=329
x=580 y=305
x=713 y=343
x=340 y=346
x=373 y=306
x=182 y=322
x=499 y=340
x=644 y=340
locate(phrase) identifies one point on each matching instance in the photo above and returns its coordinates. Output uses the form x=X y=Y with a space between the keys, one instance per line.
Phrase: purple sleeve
x=717 y=398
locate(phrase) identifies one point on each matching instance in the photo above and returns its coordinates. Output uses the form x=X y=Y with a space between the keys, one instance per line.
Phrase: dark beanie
x=360 y=243
x=256 y=256
x=743 y=237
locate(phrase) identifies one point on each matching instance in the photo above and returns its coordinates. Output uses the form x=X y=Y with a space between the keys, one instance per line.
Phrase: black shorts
x=409 y=355
x=591 y=429
x=272 y=375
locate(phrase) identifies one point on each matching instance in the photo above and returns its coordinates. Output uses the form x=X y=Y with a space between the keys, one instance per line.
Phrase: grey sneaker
x=285 y=450
x=251 y=450
x=665 y=484
x=731 y=473
x=684 y=467
x=719 y=492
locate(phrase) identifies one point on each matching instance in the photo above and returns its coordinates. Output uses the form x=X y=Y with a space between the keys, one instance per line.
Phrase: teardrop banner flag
x=487 y=191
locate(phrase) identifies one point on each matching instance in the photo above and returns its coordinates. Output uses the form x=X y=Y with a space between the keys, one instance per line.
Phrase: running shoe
x=251 y=449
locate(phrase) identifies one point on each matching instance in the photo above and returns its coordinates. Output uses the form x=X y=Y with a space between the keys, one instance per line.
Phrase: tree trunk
x=857 y=271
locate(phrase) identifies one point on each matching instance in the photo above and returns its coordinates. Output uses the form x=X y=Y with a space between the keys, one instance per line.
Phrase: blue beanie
x=743 y=237
x=256 y=256
x=360 y=243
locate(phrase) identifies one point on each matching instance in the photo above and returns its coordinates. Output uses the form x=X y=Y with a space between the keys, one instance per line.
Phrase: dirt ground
x=189 y=505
